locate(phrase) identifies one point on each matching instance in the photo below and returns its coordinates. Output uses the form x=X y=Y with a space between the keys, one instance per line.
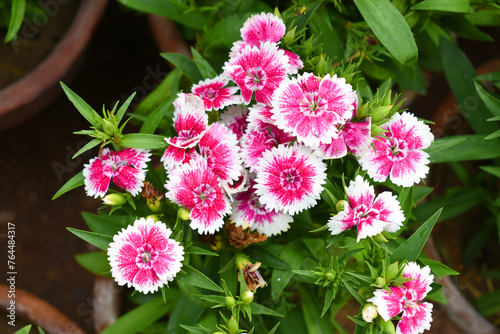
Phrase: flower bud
x=289 y=37
x=379 y=113
x=380 y=282
x=369 y=312
x=379 y=238
x=108 y=127
x=331 y=275
x=388 y=327
x=154 y=204
x=247 y=297
x=230 y=302
x=340 y=206
x=183 y=213
x=114 y=199
x=391 y=271
x=321 y=66
x=241 y=260
x=232 y=326
x=155 y=218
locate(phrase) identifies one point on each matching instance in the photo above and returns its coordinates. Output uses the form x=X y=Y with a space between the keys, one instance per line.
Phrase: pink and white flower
x=312 y=108
x=258 y=69
x=196 y=187
x=263 y=27
x=259 y=113
x=144 y=257
x=248 y=211
x=219 y=147
x=215 y=94
x=371 y=215
x=127 y=169
x=417 y=316
x=294 y=61
x=400 y=156
x=235 y=118
x=289 y=178
x=354 y=137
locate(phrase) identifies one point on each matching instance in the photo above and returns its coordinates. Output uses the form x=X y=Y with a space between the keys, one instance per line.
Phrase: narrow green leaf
x=85 y=110
x=95 y=262
x=173 y=10
x=491 y=102
x=329 y=296
x=121 y=112
x=459 y=72
x=183 y=312
x=274 y=329
x=161 y=112
x=185 y=65
x=206 y=70
x=192 y=276
x=391 y=28
x=331 y=42
x=463 y=28
x=304 y=19
x=279 y=280
x=493 y=170
x=493 y=135
x=140 y=317
x=261 y=309
x=456 y=6
x=168 y=87
x=90 y=145
x=474 y=147
x=75 y=182
x=410 y=249
x=223 y=33
x=438 y=268
x=196 y=330
x=442 y=144
x=26 y=329
x=107 y=225
x=436 y=294
x=101 y=241
x=310 y=309
x=420 y=192
x=201 y=251
x=143 y=141
x=260 y=254
x=16 y=19
x=354 y=293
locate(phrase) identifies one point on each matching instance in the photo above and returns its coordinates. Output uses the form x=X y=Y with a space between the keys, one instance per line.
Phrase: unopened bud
x=331 y=275
x=340 y=206
x=289 y=37
x=247 y=297
x=379 y=282
x=388 y=327
x=379 y=113
x=108 y=127
x=230 y=302
x=369 y=312
x=391 y=271
x=232 y=326
x=183 y=213
x=241 y=260
x=379 y=238
x=155 y=218
x=321 y=66
x=154 y=204
x=114 y=199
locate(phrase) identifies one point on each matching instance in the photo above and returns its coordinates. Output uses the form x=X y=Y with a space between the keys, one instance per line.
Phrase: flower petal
x=416 y=319
x=389 y=304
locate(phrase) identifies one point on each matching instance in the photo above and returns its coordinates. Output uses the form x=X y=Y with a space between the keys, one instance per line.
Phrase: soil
x=36 y=39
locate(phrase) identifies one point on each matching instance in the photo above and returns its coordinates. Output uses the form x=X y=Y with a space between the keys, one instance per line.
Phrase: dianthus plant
x=292 y=182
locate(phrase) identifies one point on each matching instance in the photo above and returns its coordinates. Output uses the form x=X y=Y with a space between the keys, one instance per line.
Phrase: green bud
x=369 y=312
x=230 y=302
x=154 y=204
x=289 y=37
x=377 y=130
x=379 y=113
x=379 y=282
x=379 y=238
x=361 y=111
x=331 y=275
x=241 y=260
x=183 y=213
x=388 y=327
x=391 y=271
x=108 y=127
x=232 y=326
x=340 y=206
x=321 y=66
x=247 y=297
x=156 y=218
x=114 y=199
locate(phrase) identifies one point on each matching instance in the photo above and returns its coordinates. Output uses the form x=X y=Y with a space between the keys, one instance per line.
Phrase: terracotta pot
x=38 y=312
x=31 y=94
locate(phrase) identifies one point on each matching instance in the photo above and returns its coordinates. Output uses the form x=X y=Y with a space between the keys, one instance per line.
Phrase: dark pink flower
x=127 y=169
x=263 y=27
x=417 y=316
x=400 y=156
x=235 y=118
x=247 y=211
x=289 y=178
x=258 y=69
x=144 y=257
x=215 y=94
x=312 y=108
x=369 y=214
x=196 y=187
x=294 y=61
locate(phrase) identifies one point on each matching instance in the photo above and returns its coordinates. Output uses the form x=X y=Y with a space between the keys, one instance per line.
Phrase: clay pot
x=38 y=312
x=31 y=94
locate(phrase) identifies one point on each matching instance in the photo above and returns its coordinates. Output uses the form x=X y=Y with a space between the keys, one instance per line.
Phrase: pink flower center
x=210 y=93
x=204 y=193
x=115 y=162
x=290 y=179
x=146 y=257
x=256 y=79
x=313 y=104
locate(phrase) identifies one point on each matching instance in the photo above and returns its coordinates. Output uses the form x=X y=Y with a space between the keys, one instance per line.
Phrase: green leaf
x=314 y=322
x=491 y=102
x=183 y=312
x=354 y=293
x=121 y=112
x=463 y=28
x=168 y=87
x=192 y=276
x=488 y=303
x=95 y=262
x=459 y=73
x=391 y=28
x=140 y=317
x=223 y=33
x=420 y=192
x=493 y=170
x=185 y=65
x=260 y=254
x=329 y=296
x=101 y=241
x=261 y=309
x=143 y=141
x=456 y=6
x=442 y=144
x=474 y=147
x=328 y=36
x=206 y=70
x=16 y=19
x=410 y=249
x=438 y=268
x=436 y=294
x=201 y=251
x=303 y=19
x=85 y=110
x=26 y=329
x=151 y=123
x=90 y=145
x=171 y=10
x=107 y=225
x=75 y=182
